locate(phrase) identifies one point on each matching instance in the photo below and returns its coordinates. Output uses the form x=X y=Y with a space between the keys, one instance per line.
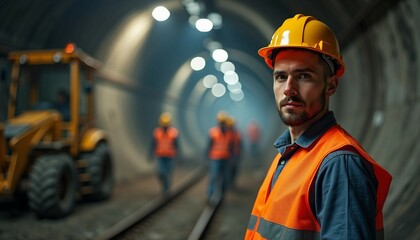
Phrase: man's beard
x=291 y=118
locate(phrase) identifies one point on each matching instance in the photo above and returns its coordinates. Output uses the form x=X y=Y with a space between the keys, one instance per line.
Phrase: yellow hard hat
x=165 y=119
x=230 y=121
x=308 y=33
x=221 y=117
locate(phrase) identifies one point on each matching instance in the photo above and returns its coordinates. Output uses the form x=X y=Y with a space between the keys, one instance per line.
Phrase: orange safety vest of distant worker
x=236 y=141
x=165 y=141
x=221 y=144
x=286 y=210
x=253 y=132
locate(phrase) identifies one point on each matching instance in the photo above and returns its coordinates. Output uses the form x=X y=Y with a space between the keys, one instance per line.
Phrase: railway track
x=179 y=215
x=177 y=219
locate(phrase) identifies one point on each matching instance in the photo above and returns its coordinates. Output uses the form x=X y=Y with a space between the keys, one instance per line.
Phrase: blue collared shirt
x=343 y=195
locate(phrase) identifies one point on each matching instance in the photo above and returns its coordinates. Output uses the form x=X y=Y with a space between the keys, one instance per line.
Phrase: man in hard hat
x=235 y=155
x=62 y=104
x=254 y=136
x=165 y=146
x=218 y=151
x=321 y=184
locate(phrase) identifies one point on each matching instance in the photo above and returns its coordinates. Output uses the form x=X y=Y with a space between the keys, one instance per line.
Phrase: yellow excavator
x=50 y=150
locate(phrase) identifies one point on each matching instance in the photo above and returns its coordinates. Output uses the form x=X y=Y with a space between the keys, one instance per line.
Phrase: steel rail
x=205 y=217
x=121 y=227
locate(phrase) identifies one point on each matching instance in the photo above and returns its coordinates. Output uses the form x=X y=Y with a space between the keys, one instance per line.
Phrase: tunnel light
x=219 y=55
x=204 y=25
x=198 y=63
x=237 y=96
x=234 y=88
x=160 y=13
x=216 y=19
x=193 y=8
x=218 y=90
x=231 y=77
x=209 y=81
x=227 y=66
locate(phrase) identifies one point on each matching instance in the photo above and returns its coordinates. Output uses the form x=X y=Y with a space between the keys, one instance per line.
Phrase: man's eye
x=304 y=76
x=280 y=77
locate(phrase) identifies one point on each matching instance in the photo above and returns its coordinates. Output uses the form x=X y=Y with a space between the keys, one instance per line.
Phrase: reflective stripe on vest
x=287 y=204
x=165 y=142
x=270 y=230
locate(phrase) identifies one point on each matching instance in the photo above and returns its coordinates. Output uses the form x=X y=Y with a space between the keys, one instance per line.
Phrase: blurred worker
x=253 y=137
x=165 y=146
x=235 y=149
x=218 y=151
x=322 y=184
x=62 y=104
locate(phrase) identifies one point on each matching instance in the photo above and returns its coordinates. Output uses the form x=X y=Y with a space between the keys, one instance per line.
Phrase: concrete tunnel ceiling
x=377 y=100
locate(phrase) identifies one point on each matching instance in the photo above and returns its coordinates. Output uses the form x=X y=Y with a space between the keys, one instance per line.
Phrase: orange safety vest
x=165 y=141
x=221 y=142
x=253 y=133
x=285 y=212
x=236 y=141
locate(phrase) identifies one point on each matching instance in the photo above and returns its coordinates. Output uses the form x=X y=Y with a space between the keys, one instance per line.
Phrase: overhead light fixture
x=204 y=25
x=231 y=77
x=227 y=66
x=219 y=55
x=236 y=96
x=218 y=90
x=160 y=13
x=198 y=63
x=216 y=19
x=209 y=81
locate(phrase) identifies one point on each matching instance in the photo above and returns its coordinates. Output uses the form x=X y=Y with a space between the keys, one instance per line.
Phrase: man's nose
x=290 y=87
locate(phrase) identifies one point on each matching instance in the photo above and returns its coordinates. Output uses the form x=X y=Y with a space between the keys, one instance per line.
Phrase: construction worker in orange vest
x=322 y=184
x=165 y=146
x=235 y=155
x=219 y=151
x=254 y=136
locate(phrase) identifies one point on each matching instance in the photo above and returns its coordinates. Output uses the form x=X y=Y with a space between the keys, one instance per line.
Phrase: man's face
x=300 y=86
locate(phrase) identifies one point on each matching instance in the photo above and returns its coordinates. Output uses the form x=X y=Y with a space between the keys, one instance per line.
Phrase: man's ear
x=332 y=83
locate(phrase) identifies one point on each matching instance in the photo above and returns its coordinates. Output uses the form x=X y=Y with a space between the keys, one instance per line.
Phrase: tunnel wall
x=378 y=101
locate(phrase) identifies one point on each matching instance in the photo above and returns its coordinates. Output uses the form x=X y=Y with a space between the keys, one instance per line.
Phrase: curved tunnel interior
x=146 y=71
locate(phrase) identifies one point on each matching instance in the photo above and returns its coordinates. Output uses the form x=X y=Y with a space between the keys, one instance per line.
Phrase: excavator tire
x=99 y=167
x=52 y=186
